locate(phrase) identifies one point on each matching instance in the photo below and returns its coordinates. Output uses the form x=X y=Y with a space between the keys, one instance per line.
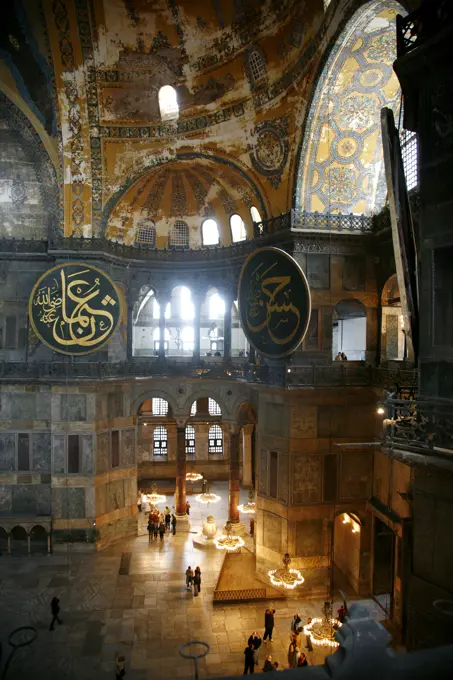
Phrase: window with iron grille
x=257 y=65
x=190 y=440
x=193 y=409
x=215 y=439
x=409 y=152
x=159 y=406
x=213 y=408
x=146 y=234
x=179 y=235
x=160 y=441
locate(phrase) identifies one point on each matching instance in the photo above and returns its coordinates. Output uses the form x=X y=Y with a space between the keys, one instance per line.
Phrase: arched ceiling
x=189 y=189
x=341 y=161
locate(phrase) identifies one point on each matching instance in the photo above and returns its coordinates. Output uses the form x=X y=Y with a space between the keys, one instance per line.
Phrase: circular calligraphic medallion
x=274 y=302
x=74 y=308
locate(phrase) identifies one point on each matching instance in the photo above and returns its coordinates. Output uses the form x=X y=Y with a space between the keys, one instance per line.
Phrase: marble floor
x=131 y=599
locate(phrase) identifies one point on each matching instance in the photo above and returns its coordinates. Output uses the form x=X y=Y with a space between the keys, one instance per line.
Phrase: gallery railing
x=417 y=27
x=421 y=425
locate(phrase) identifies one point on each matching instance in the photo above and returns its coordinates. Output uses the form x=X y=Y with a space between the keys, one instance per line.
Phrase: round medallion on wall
x=274 y=302
x=74 y=308
x=270 y=152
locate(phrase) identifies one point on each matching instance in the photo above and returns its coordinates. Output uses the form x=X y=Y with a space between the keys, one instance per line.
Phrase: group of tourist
x=193 y=580
x=159 y=523
x=296 y=658
x=341 y=356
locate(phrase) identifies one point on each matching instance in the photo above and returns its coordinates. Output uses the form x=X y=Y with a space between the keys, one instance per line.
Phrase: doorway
x=383 y=566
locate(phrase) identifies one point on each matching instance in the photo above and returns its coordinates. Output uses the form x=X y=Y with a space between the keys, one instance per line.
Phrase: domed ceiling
x=188 y=189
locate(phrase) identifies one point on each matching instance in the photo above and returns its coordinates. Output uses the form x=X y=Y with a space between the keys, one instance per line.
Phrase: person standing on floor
x=293 y=653
x=161 y=529
x=256 y=641
x=173 y=523
x=249 y=662
x=187 y=508
x=302 y=660
x=268 y=624
x=167 y=515
x=296 y=623
x=120 y=669
x=139 y=501
x=268 y=665
x=189 y=577
x=55 y=609
x=197 y=581
x=150 y=529
x=308 y=644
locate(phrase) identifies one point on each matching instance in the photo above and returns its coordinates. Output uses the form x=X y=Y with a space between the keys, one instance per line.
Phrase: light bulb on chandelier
x=286 y=577
x=228 y=541
x=250 y=507
x=154 y=498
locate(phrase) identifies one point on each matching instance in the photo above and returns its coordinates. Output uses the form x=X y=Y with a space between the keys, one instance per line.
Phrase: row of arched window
x=160 y=440
x=210 y=235
x=160 y=407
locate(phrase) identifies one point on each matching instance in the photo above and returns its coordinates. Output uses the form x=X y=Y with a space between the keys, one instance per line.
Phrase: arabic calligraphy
x=274 y=302
x=74 y=308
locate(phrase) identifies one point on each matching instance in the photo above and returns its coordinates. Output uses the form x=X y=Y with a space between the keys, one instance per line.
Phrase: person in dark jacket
x=268 y=624
x=268 y=665
x=249 y=662
x=173 y=523
x=302 y=660
x=161 y=530
x=55 y=609
x=197 y=581
x=256 y=641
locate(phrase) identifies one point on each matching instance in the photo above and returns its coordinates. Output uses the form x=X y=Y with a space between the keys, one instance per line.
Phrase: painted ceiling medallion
x=270 y=153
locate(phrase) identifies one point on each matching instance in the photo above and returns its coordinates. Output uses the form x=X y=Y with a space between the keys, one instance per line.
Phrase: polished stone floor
x=131 y=598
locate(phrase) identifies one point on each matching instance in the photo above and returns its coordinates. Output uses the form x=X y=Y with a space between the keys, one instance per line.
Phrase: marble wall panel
x=354 y=273
x=275 y=420
x=23 y=406
x=101 y=495
x=283 y=477
x=87 y=453
x=59 y=453
x=272 y=532
x=59 y=504
x=41 y=451
x=304 y=421
x=307 y=479
x=356 y=476
x=262 y=475
x=102 y=452
x=73 y=407
x=309 y=538
x=127 y=447
x=43 y=499
x=116 y=495
x=318 y=271
x=7 y=451
x=6 y=498
x=24 y=499
x=43 y=406
x=76 y=502
x=115 y=404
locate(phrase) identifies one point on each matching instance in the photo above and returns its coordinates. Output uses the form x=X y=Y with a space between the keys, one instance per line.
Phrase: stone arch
x=239 y=401
x=149 y=394
x=339 y=167
x=38 y=538
x=19 y=539
x=3 y=540
x=347 y=545
x=349 y=328
x=205 y=392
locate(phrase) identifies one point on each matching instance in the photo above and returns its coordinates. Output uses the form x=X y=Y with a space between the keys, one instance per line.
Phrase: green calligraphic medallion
x=74 y=308
x=274 y=302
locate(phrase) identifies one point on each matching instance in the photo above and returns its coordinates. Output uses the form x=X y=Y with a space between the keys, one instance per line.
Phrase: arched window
x=159 y=407
x=216 y=307
x=349 y=331
x=168 y=103
x=179 y=235
x=190 y=440
x=146 y=233
x=156 y=310
x=215 y=439
x=187 y=337
x=257 y=65
x=156 y=339
x=160 y=441
x=186 y=308
x=213 y=408
x=256 y=217
x=237 y=225
x=193 y=408
x=210 y=233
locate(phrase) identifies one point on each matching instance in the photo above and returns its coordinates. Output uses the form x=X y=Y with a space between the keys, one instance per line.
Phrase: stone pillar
x=201 y=441
x=172 y=441
x=163 y=300
x=130 y=327
x=227 y=328
x=48 y=544
x=197 y=300
x=180 y=495
x=247 y=431
x=9 y=544
x=29 y=543
x=234 y=481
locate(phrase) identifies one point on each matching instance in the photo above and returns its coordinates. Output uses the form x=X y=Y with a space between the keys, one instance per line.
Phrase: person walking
x=55 y=609
x=268 y=624
x=249 y=662
x=302 y=660
x=161 y=529
x=308 y=644
x=293 y=653
x=167 y=515
x=256 y=641
x=187 y=508
x=296 y=623
x=139 y=501
x=268 y=665
x=197 y=581
x=120 y=669
x=189 y=577
x=173 y=523
x=150 y=529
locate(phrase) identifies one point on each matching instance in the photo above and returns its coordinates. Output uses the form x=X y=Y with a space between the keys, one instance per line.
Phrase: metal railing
x=424 y=425
x=417 y=27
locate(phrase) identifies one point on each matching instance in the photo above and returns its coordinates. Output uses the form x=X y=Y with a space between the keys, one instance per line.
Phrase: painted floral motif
x=382 y=48
x=357 y=112
x=340 y=185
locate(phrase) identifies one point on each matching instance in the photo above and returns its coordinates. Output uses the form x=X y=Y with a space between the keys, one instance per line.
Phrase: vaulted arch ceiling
x=341 y=167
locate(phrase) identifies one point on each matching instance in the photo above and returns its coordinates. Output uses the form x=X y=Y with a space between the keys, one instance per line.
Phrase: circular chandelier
x=193 y=476
x=250 y=507
x=322 y=631
x=286 y=577
x=207 y=498
x=228 y=541
x=154 y=498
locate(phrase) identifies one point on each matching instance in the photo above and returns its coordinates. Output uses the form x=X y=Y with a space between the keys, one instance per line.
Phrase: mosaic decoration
x=178 y=196
x=154 y=197
x=274 y=302
x=228 y=203
x=341 y=166
x=17 y=192
x=270 y=152
x=199 y=190
x=74 y=308
x=60 y=15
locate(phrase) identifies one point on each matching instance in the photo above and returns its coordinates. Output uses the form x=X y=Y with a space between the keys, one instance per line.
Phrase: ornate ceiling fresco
x=341 y=161
x=243 y=71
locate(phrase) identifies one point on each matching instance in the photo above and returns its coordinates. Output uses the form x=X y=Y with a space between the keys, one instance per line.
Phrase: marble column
x=130 y=328
x=227 y=329
x=201 y=441
x=180 y=495
x=234 y=481
x=247 y=431
x=163 y=301
x=197 y=299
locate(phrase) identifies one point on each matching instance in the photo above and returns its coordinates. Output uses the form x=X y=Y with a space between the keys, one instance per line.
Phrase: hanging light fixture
x=286 y=577
x=250 y=507
x=322 y=630
x=228 y=541
x=193 y=476
x=207 y=498
x=154 y=498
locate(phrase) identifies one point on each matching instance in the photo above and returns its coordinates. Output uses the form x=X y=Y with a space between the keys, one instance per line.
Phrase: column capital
x=181 y=423
x=248 y=429
x=233 y=428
